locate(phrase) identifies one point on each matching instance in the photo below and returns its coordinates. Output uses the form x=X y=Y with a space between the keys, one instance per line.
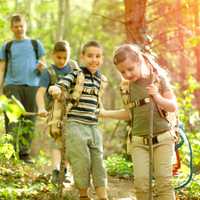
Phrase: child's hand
x=55 y=91
x=152 y=90
x=42 y=112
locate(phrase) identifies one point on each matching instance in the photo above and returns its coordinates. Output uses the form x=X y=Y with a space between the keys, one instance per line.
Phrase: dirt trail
x=120 y=189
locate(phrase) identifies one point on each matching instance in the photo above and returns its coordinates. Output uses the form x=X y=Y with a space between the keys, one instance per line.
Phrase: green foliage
x=12 y=107
x=118 y=165
x=19 y=181
x=188 y=114
x=6 y=148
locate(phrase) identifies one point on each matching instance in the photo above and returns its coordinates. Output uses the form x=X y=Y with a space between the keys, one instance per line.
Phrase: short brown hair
x=92 y=43
x=16 y=18
x=61 y=45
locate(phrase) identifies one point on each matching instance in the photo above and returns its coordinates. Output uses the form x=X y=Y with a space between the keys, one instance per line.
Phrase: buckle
x=145 y=141
x=147 y=100
x=154 y=140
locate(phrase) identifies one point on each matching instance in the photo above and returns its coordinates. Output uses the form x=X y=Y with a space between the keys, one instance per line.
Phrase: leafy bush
x=118 y=165
x=6 y=148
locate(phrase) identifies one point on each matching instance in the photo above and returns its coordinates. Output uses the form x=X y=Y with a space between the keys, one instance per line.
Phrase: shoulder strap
x=35 y=48
x=53 y=75
x=7 y=54
x=74 y=65
x=103 y=85
x=125 y=91
x=8 y=50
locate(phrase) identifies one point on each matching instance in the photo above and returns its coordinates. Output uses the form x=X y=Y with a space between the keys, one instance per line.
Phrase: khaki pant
x=85 y=154
x=162 y=162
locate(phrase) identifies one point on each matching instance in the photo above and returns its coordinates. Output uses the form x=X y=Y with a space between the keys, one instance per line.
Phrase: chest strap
x=138 y=103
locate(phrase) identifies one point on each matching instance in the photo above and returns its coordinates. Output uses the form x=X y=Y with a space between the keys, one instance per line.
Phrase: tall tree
x=135 y=20
x=63 y=15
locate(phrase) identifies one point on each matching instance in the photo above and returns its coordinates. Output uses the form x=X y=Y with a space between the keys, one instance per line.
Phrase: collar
x=86 y=71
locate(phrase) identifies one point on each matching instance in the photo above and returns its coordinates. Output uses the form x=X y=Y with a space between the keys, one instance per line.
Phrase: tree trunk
x=67 y=28
x=135 y=20
x=183 y=63
x=63 y=15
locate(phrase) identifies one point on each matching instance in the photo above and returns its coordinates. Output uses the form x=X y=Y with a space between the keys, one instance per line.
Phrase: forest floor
x=118 y=189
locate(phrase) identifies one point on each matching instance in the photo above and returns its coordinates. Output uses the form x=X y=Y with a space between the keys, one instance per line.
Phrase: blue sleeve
x=44 y=79
x=2 y=52
x=41 y=50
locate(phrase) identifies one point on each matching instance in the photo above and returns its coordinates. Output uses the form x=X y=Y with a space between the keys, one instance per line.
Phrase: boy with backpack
x=21 y=62
x=82 y=138
x=52 y=74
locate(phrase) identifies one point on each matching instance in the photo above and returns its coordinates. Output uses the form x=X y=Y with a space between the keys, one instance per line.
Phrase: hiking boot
x=26 y=158
x=55 y=176
x=67 y=177
x=84 y=198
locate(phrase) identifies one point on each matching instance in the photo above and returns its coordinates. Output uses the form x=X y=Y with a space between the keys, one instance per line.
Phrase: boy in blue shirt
x=60 y=68
x=20 y=65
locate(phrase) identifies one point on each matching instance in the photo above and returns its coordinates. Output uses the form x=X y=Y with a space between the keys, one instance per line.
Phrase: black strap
x=35 y=48
x=140 y=102
x=7 y=54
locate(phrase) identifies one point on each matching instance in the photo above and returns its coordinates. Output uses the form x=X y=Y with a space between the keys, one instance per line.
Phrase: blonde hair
x=135 y=53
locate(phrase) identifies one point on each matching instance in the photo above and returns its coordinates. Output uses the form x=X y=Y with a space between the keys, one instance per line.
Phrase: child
x=60 y=56
x=146 y=79
x=83 y=139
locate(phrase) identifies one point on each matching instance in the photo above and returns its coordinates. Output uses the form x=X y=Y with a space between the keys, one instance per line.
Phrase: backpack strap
x=53 y=75
x=73 y=65
x=7 y=55
x=103 y=85
x=35 y=48
x=77 y=91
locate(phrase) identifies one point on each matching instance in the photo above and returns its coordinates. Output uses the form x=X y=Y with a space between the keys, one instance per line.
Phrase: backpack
x=8 y=52
x=62 y=106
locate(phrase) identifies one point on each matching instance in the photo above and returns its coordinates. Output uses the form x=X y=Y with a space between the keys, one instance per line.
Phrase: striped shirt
x=86 y=111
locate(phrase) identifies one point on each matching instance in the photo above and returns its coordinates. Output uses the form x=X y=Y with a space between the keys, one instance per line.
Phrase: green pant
x=84 y=151
x=26 y=95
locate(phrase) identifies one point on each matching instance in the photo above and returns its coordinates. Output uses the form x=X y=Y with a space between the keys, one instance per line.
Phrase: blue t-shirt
x=21 y=67
x=45 y=79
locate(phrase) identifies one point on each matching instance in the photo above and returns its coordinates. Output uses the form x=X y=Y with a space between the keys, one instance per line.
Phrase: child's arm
x=40 y=101
x=167 y=101
x=121 y=114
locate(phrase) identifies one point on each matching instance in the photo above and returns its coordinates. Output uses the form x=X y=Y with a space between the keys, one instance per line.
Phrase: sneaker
x=55 y=176
x=67 y=177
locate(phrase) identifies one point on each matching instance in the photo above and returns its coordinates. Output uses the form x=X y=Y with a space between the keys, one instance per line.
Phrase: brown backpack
x=63 y=105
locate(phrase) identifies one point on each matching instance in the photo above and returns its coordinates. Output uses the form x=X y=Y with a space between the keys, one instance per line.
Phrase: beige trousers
x=163 y=153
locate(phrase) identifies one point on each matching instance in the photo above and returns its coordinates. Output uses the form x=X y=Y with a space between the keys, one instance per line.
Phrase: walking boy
x=21 y=61
x=82 y=138
x=60 y=68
